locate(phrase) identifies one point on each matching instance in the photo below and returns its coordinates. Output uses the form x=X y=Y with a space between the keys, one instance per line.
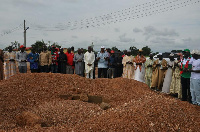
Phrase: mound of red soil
x=133 y=106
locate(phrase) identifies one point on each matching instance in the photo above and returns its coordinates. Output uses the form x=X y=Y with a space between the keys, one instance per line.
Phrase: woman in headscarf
x=10 y=63
x=128 y=67
x=175 y=87
x=168 y=75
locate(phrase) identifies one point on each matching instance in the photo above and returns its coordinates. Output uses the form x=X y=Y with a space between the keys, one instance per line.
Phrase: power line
x=136 y=12
x=12 y=30
x=131 y=13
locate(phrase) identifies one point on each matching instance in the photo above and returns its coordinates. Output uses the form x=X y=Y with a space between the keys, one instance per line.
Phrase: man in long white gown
x=168 y=75
x=89 y=58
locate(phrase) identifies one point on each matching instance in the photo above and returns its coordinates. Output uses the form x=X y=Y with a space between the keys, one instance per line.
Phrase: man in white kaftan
x=89 y=58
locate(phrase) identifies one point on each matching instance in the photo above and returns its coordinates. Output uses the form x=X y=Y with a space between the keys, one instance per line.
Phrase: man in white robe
x=89 y=58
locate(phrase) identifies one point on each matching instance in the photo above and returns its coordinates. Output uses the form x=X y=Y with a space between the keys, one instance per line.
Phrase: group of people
x=180 y=77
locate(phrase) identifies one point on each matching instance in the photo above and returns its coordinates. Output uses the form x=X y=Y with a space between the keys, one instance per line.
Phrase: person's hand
x=158 y=65
x=149 y=66
x=175 y=64
x=98 y=58
x=185 y=70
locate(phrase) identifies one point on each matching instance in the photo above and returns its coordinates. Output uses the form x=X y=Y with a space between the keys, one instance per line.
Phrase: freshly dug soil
x=133 y=106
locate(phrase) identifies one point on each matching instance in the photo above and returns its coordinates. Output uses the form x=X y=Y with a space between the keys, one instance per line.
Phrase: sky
x=162 y=25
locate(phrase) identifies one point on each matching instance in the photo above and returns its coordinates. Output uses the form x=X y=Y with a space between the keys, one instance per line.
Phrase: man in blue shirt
x=102 y=58
x=111 y=65
x=33 y=58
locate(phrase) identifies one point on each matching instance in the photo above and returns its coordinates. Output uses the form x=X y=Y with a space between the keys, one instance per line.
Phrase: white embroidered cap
x=195 y=52
x=102 y=47
x=171 y=54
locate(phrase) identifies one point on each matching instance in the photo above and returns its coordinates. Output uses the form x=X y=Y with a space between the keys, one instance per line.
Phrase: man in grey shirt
x=22 y=59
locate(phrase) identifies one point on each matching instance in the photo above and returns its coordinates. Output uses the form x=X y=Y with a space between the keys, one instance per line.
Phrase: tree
x=56 y=45
x=14 y=45
x=146 y=50
x=176 y=51
x=134 y=50
x=38 y=45
x=114 y=48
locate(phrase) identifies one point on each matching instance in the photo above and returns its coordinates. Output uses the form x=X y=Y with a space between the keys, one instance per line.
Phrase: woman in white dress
x=168 y=75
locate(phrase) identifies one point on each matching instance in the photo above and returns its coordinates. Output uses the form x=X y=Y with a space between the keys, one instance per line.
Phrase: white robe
x=139 y=75
x=168 y=78
x=89 y=58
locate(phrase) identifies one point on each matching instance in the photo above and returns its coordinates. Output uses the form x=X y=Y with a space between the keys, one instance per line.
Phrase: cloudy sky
x=162 y=25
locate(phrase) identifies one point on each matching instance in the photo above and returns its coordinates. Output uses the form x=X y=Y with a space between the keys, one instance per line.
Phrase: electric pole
x=25 y=33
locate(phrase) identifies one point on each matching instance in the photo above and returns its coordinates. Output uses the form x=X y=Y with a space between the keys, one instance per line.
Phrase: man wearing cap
x=195 y=78
x=1 y=64
x=10 y=64
x=102 y=58
x=111 y=65
x=185 y=67
x=139 y=67
x=89 y=58
x=149 y=69
x=168 y=75
x=128 y=67
x=22 y=59
x=159 y=68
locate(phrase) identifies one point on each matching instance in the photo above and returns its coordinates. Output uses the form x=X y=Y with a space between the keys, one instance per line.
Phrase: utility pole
x=25 y=33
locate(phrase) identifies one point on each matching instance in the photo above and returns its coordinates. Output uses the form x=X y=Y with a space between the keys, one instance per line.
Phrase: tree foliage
x=146 y=50
x=38 y=45
x=134 y=50
x=14 y=45
x=114 y=48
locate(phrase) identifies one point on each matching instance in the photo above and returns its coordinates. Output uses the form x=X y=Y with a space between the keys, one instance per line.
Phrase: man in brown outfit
x=159 y=69
x=45 y=60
